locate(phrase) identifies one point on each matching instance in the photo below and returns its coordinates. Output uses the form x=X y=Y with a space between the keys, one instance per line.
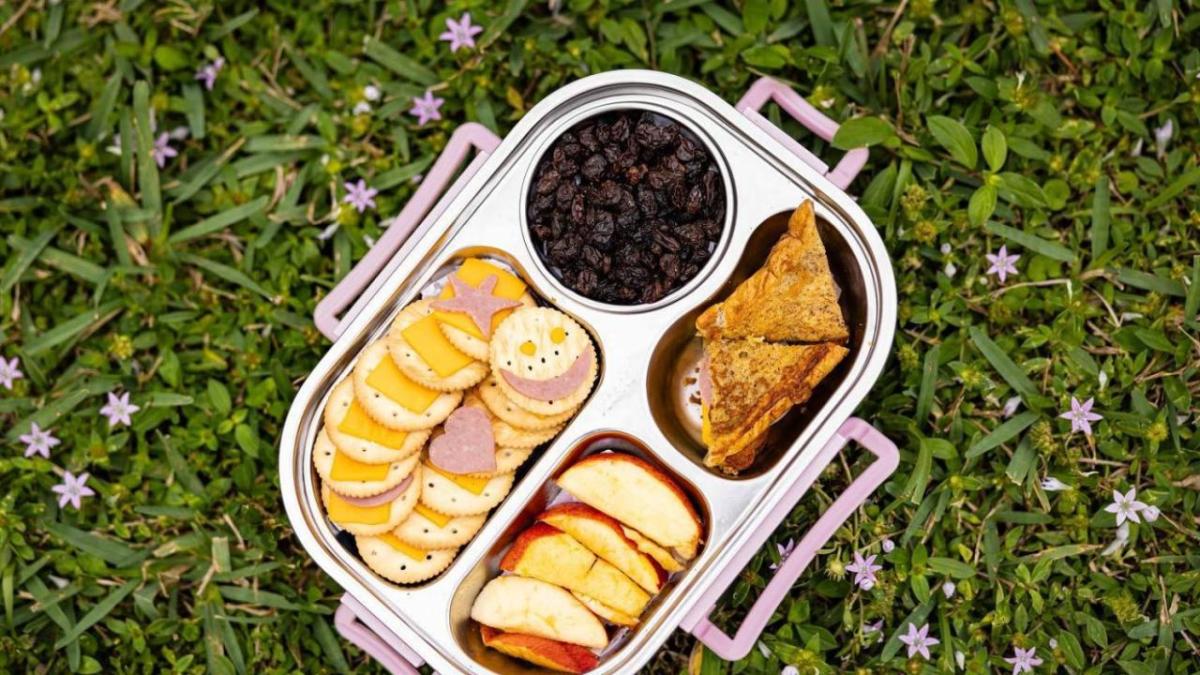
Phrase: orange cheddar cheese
x=474 y=271
x=342 y=511
x=412 y=553
x=431 y=345
x=432 y=516
x=388 y=378
x=347 y=468
x=472 y=485
x=359 y=424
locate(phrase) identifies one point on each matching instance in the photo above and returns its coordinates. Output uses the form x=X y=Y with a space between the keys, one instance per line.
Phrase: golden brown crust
x=754 y=383
x=792 y=298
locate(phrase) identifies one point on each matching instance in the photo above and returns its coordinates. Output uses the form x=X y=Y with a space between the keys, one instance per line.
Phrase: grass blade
x=220 y=221
x=1100 y=217
x=23 y=261
x=97 y=613
x=70 y=328
x=1012 y=374
x=928 y=379
x=398 y=63
x=98 y=125
x=1151 y=282
x=61 y=260
x=1032 y=242
x=1003 y=433
x=230 y=274
x=193 y=107
x=110 y=550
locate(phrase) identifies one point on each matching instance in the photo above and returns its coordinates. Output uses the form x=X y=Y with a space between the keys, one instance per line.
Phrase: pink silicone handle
x=353 y=621
x=436 y=182
x=814 y=120
x=736 y=647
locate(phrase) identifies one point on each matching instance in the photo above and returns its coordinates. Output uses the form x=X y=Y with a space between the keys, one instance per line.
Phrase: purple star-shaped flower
x=162 y=149
x=1081 y=416
x=918 y=640
x=359 y=195
x=1024 y=660
x=426 y=108
x=784 y=551
x=73 y=490
x=1003 y=264
x=476 y=302
x=1126 y=506
x=208 y=73
x=38 y=441
x=864 y=570
x=10 y=370
x=118 y=410
x=460 y=34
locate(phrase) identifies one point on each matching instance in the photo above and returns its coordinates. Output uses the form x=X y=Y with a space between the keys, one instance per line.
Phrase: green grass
x=1007 y=122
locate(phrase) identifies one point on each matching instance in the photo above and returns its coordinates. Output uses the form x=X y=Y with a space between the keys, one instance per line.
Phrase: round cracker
x=323 y=454
x=402 y=507
x=469 y=344
x=411 y=363
x=508 y=460
x=445 y=496
x=361 y=449
x=423 y=533
x=534 y=324
x=396 y=566
x=388 y=412
x=502 y=407
x=507 y=436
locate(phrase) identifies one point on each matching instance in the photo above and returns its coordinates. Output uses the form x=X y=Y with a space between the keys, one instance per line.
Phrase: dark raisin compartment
x=626 y=207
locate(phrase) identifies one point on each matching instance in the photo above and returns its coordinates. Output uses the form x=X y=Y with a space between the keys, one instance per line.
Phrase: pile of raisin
x=626 y=207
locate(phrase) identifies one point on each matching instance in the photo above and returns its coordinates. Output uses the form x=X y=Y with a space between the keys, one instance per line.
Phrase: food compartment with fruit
x=749 y=368
x=426 y=433
x=584 y=562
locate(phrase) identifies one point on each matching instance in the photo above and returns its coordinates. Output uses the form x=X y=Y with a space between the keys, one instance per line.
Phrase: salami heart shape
x=467 y=444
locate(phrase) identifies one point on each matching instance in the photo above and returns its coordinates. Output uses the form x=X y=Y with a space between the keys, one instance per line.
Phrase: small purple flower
x=874 y=629
x=1081 y=416
x=426 y=108
x=10 y=370
x=372 y=93
x=1052 y=484
x=1003 y=264
x=72 y=490
x=918 y=640
x=864 y=570
x=784 y=551
x=208 y=73
x=359 y=195
x=1126 y=506
x=1010 y=406
x=1163 y=136
x=1024 y=661
x=162 y=149
x=1150 y=514
x=460 y=33
x=948 y=589
x=38 y=441
x=888 y=546
x=118 y=409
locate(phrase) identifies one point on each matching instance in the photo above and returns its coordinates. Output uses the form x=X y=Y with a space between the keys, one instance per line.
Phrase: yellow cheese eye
x=557 y=335
x=528 y=348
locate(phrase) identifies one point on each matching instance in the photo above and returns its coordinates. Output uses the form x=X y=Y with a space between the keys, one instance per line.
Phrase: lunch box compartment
x=672 y=383
x=682 y=117
x=449 y=265
x=466 y=631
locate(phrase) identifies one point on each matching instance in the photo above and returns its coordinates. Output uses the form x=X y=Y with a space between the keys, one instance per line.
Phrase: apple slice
x=515 y=604
x=661 y=555
x=551 y=555
x=605 y=537
x=561 y=656
x=637 y=494
x=605 y=612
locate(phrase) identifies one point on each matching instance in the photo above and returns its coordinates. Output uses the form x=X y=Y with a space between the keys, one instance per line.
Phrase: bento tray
x=639 y=346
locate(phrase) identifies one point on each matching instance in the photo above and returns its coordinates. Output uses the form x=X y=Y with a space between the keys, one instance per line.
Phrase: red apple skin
x=524 y=540
x=560 y=656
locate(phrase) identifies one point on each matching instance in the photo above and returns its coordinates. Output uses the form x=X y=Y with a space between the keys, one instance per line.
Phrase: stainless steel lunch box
x=638 y=402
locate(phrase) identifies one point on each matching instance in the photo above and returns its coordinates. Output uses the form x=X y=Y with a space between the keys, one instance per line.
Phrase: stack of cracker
x=412 y=456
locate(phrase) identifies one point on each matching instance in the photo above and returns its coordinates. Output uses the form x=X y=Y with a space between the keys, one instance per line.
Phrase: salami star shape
x=476 y=302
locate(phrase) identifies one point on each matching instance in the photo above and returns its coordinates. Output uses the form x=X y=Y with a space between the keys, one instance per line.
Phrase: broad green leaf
x=995 y=148
x=862 y=132
x=982 y=204
x=952 y=135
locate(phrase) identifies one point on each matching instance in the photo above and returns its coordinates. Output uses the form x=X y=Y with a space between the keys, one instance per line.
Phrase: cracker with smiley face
x=543 y=360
